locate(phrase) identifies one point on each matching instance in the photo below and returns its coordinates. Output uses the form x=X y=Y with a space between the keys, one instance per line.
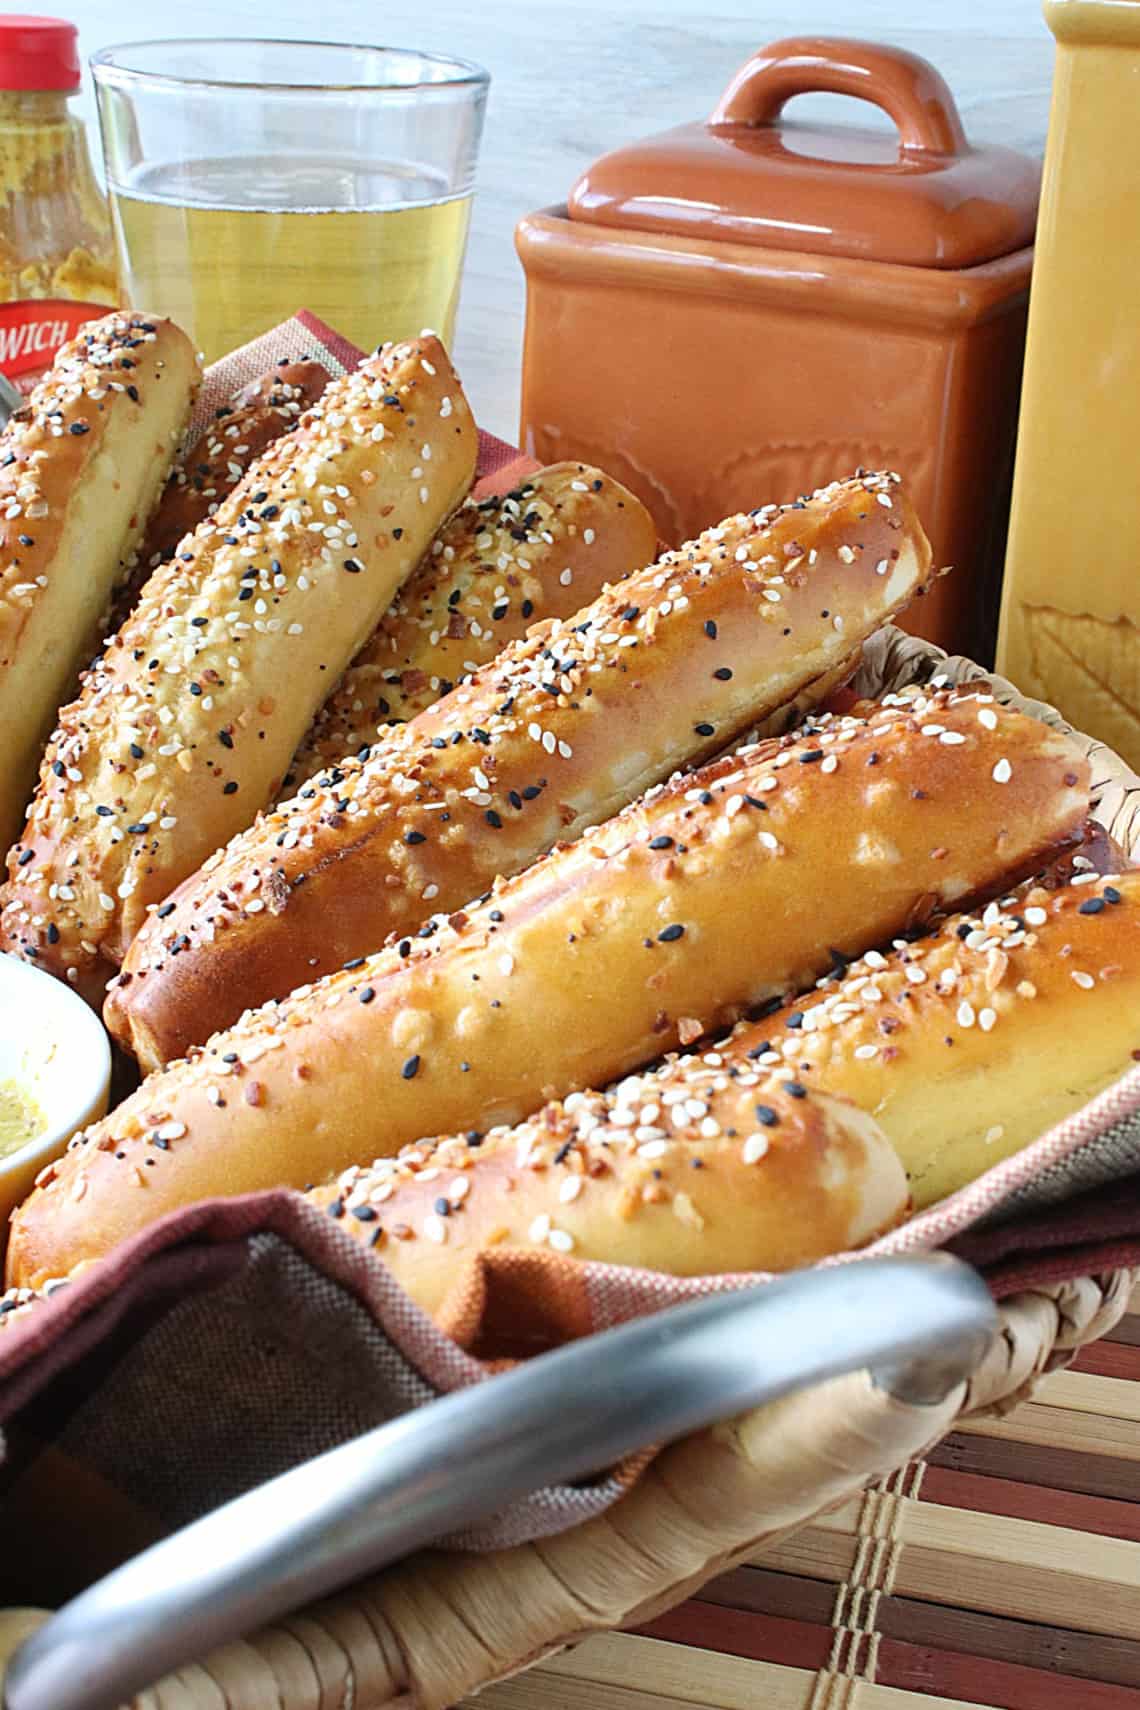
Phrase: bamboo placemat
x=1003 y=1572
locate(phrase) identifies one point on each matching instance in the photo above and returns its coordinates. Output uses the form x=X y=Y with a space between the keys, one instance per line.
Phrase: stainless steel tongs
x=918 y=1324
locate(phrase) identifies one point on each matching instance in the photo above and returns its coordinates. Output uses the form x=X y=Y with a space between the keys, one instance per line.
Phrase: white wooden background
x=570 y=81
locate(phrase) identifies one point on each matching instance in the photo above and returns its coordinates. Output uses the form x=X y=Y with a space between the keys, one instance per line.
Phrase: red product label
x=32 y=331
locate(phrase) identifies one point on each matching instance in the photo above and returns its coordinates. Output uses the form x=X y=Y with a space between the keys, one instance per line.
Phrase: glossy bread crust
x=967 y=1045
x=183 y=728
x=543 y=550
x=559 y=732
x=240 y=431
x=721 y=890
x=81 y=468
x=705 y=1165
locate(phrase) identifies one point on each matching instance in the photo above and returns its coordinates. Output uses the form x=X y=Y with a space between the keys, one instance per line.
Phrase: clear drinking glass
x=250 y=179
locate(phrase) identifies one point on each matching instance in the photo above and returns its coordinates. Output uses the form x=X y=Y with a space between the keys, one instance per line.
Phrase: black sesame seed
x=795 y=1089
x=52 y=932
x=964 y=930
x=527 y=608
x=669 y=934
x=25 y=540
x=353 y=566
x=410 y=1068
x=336 y=1209
x=705 y=729
x=705 y=798
x=661 y=842
x=759 y=1050
x=405 y=947
x=25 y=856
x=1112 y=895
x=364 y=1213
x=58 y=768
x=104 y=812
x=414 y=837
x=166 y=909
x=357 y=962
x=195 y=688
x=809 y=756
x=515 y=799
x=794 y=1020
x=397 y=534
x=493 y=819
x=755 y=802
x=366 y=994
x=630 y=613
x=135 y=751
x=496 y=915
x=229 y=789
x=1092 y=905
x=766 y=1115
x=78 y=427
x=710 y=629
x=133 y=394
x=531 y=793
x=230 y=1057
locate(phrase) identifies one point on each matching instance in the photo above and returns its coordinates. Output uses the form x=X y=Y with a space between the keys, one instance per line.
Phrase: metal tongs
x=919 y=1325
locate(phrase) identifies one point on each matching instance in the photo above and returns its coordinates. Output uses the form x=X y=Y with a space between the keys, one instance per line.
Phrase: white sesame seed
x=588 y=536
x=459 y=1189
x=1085 y=981
x=171 y=1131
x=846 y=555
x=829 y=763
x=570 y=1189
x=653 y=1149
x=561 y=1240
x=986 y=1019
x=865 y=1052
x=566 y=578
x=755 y=1148
x=987 y=717
x=435 y=1228
x=951 y=738
x=540 y=1228
x=1035 y=916
x=966 y=1015
x=506 y=963
x=549 y=741
x=769 y=840
x=1002 y=772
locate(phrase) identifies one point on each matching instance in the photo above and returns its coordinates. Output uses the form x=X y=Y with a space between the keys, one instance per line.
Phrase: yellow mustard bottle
x=56 y=250
x=1070 y=621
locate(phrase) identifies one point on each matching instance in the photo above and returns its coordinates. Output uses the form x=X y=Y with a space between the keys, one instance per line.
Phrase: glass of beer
x=250 y=179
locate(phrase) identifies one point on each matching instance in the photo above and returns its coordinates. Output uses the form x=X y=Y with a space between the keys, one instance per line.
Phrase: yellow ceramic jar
x=1070 y=625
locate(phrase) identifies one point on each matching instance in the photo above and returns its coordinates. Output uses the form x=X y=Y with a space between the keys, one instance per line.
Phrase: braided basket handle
x=445 y=1466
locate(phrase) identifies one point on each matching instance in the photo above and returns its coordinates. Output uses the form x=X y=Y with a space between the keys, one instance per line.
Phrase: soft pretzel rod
x=542 y=550
x=561 y=730
x=722 y=889
x=239 y=432
x=81 y=468
x=183 y=728
x=701 y=1166
x=970 y=1043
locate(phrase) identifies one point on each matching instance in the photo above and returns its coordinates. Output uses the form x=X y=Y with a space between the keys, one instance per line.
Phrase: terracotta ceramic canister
x=737 y=311
x=1070 y=627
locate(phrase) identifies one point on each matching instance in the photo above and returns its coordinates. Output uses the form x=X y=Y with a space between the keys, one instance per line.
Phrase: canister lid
x=924 y=197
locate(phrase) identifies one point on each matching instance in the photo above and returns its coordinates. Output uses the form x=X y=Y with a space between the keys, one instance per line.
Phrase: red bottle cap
x=38 y=53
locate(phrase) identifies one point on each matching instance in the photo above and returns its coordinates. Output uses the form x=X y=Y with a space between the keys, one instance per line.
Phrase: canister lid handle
x=903 y=84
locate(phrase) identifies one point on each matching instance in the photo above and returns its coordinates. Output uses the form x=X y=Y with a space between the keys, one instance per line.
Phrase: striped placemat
x=1002 y=1572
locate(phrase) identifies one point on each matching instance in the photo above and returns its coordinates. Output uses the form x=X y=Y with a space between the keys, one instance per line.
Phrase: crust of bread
x=240 y=431
x=183 y=728
x=700 y=1167
x=541 y=551
x=559 y=732
x=81 y=467
x=969 y=1044
x=722 y=890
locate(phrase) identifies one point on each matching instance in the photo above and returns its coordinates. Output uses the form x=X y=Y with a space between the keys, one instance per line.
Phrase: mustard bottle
x=1070 y=623
x=56 y=252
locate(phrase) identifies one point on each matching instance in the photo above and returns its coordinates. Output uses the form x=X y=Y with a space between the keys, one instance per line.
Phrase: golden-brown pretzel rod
x=558 y=732
x=183 y=728
x=81 y=467
x=720 y=890
x=543 y=550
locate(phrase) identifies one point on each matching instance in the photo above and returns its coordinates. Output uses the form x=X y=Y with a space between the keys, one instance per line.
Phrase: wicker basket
x=443 y=1624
